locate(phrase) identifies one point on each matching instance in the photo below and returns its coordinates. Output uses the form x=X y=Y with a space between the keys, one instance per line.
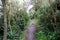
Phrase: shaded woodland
x=30 y=20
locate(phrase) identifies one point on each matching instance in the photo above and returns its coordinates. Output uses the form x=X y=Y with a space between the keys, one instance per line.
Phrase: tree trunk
x=5 y=19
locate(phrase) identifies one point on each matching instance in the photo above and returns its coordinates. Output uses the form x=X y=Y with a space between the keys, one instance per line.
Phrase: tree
x=5 y=19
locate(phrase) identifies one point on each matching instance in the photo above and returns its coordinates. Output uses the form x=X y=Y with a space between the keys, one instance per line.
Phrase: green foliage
x=17 y=25
x=46 y=22
x=43 y=35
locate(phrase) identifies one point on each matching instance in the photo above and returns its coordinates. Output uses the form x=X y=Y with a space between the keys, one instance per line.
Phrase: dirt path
x=30 y=34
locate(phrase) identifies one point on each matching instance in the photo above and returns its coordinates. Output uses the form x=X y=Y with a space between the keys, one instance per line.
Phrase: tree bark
x=5 y=19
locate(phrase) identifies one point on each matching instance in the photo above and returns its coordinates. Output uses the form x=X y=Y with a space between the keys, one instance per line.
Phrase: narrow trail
x=30 y=34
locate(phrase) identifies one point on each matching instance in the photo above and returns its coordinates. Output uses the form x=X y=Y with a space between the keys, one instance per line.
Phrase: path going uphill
x=30 y=33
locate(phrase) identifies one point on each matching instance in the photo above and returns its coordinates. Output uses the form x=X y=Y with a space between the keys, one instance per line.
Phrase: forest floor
x=30 y=33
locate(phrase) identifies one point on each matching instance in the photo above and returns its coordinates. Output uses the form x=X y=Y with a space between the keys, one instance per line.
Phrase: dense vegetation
x=47 y=20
